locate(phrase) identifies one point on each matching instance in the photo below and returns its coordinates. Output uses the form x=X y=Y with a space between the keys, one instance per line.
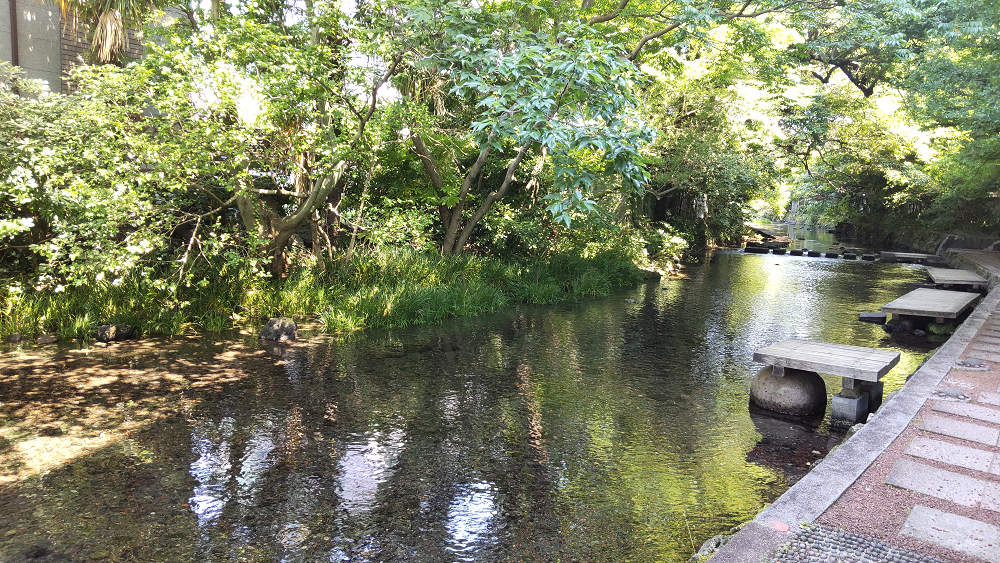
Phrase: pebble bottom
x=817 y=543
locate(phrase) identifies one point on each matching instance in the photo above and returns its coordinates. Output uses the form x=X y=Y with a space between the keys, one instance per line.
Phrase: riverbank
x=905 y=480
x=384 y=289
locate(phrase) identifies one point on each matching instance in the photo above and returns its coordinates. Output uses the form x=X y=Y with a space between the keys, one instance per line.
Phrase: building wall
x=47 y=49
x=5 y=30
x=39 y=42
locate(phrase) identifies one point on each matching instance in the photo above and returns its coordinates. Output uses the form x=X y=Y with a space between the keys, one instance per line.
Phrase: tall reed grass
x=386 y=288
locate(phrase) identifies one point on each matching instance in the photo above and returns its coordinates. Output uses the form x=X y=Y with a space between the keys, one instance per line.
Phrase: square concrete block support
x=849 y=410
x=874 y=390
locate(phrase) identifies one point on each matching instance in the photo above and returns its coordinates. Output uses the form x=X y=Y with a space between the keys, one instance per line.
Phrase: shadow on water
x=603 y=430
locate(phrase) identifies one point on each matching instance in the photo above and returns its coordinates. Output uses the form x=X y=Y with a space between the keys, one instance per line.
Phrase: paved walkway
x=920 y=482
x=936 y=489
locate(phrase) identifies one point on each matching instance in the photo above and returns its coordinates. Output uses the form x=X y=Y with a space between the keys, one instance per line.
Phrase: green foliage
x=386 y=288
x=856 y=169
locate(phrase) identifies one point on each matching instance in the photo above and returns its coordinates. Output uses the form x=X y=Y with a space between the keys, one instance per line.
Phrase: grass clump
x=384 y=288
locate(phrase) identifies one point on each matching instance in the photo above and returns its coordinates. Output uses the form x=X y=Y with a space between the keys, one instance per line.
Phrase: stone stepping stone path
x=962 y=430
x=981 y=355
x=978 y=412
x=959 y=533
x=945 y=485
x=976 y=422
x=817 y=543
x=990 y=398
x=961 y=456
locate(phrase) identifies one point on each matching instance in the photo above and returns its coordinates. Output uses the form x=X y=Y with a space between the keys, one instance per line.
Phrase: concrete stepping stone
x=954 y=532
x=985 y=346
x=938 y=483
x=990 y=398
x=989 y=339
x=954 y=454
x=960 y=429
x=979 y=412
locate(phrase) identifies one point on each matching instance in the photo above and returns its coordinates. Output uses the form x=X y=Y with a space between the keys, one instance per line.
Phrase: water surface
x=615 y=429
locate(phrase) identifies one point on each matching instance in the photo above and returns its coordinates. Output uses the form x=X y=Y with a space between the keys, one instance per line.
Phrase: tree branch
x=601 y=18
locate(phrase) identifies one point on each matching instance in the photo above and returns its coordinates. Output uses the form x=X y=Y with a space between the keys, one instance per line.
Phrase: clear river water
x=616 y=429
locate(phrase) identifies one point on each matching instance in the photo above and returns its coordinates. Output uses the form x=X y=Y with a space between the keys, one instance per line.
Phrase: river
x=615 y=429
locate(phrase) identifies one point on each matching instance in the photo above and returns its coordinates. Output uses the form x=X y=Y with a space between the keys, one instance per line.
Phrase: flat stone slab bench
x=951 y=276
x=861 y=369
x=910 y=257
x=938 y=303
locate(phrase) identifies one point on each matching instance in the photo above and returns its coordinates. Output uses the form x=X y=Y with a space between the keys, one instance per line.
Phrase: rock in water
x=798 y=392
x=280 y=329
x=114 y=333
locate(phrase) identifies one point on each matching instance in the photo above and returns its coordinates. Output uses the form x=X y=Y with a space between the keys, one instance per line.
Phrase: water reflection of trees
x=604 y=430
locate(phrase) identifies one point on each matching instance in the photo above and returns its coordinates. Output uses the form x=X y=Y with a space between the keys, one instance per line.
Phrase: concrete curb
x=813 y=494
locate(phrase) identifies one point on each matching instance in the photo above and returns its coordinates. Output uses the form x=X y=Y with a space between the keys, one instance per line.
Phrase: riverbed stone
x=115 y=332
x=280 y=329
x=797 y=392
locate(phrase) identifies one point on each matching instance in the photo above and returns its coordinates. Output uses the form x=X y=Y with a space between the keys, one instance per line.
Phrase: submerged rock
x=710 y=547
x=114 y=333
x=280 y=329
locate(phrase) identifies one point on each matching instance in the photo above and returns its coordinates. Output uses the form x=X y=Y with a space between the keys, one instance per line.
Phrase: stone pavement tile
x=954 y=532
x=978 y=412
x=985 y=346
x=961 y=429
x=990 y=398
x=991 y=497
x=954 y=454
x=938 y=483
x=989 y=339
x=981 y=355
x=995 y=467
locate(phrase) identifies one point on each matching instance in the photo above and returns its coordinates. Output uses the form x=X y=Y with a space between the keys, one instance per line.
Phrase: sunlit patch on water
x=364 y=466
x=470 y=515
x=211 y=469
